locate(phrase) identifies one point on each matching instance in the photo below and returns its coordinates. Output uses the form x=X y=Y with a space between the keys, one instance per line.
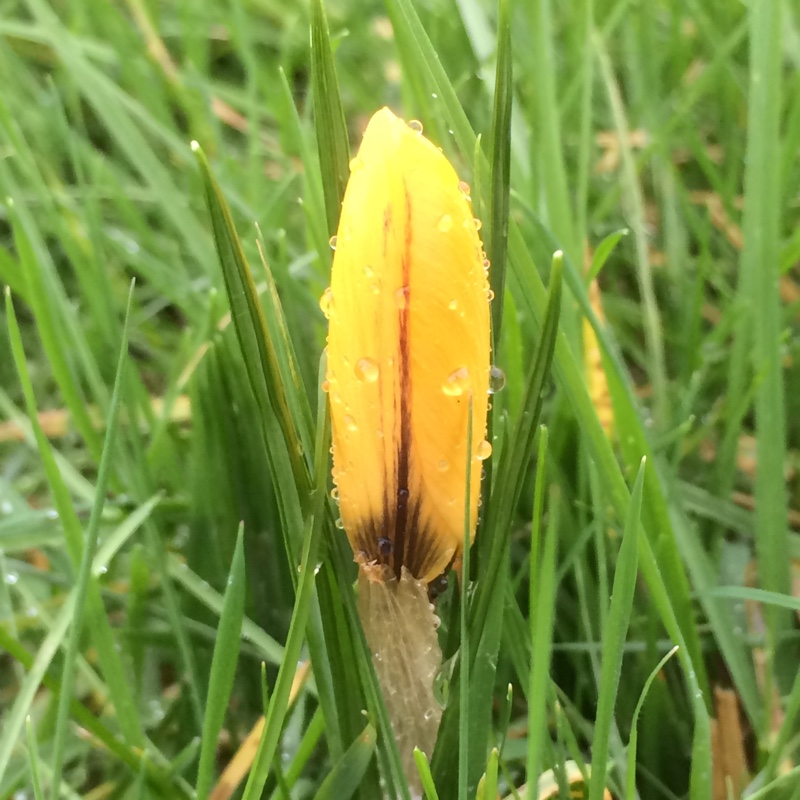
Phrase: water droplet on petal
x=356 y=164
x=366 y=370
x=369 y=272
x=453 y=304
x=478 y=224
x=350 y=423
x=497 y=380
x=332 y=242
x=415 y=125
x=484 y=450
x=401 y=297
x=385 y=546
x=457 y=382
x=463 y=187
x=445 y=223
x=339 y=524
x=490 y=295
x=326 y=303
x=326 y=386
x=443 y=465
x=486 y=264
x=335 y=493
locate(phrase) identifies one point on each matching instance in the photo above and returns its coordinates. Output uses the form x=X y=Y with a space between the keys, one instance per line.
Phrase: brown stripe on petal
x=404 y=398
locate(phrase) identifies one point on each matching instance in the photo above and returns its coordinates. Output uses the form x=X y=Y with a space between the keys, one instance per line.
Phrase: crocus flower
x=408 y=345
x=408 y=350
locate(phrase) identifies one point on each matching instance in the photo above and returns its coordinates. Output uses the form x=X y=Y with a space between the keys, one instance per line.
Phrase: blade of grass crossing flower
x=614 y=636
x=33 y=760
x=511 y=472
x=497 y=233
x=334 y=149
x=305 y=592
x=464 y=648
x=345 y=778
x=223 y=667
x=630 y=778
x=424 y=769
x=99 y=625
x=81 y=588
x=543 y=576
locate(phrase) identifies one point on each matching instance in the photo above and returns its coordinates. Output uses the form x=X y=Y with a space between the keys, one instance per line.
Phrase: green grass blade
x=305 y=591
x=334 y=150
x=223 y=667
x=424 y=769
x=602 y=252
x=614 y=636
x=33 y=759
x=487 y=788
x=760 y=273
x=542 y=642
x=81 y=588
x=111 y=663
x=630 y=778
x=346 y=777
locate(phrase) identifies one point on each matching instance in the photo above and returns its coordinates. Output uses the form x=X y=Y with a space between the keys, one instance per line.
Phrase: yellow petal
x=408 y=345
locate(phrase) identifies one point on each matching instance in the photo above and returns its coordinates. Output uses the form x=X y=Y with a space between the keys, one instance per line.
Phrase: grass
x=169 y=558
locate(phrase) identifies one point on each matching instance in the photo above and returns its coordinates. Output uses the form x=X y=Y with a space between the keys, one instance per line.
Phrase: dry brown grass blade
x=239 y=766
x=729 y=761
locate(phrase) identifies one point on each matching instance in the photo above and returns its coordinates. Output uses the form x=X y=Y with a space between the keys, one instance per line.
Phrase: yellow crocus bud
x=408 y=347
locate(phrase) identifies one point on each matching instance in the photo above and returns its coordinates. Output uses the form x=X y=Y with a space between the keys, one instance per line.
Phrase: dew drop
x=335 y=493
x=369 y=272
x=326 y=303
x=339 y=524
x=350 y=423
x=490 y=295
x=443 y=465
x=478 y=224
x=332 y=242
x=385 y=546
x=457 y=382
x=366 y=370
x=484 y=450
x=497 y=380
x=445 y=223
x=415 y=125
x=463 y=187
x=11 y=578
x=401 y=297
x=326 y=386
x=453 y=304
x=356 y=164
x=486 y=264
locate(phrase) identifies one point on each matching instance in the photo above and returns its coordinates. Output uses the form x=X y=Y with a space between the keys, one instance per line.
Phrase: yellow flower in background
x=408 y=345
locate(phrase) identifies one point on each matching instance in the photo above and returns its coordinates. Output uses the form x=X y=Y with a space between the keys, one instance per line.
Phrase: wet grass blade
x=81 y=588
x=614 y=636
x=223 y=667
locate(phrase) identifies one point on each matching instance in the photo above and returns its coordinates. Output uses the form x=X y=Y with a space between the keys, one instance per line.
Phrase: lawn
x=179 y=603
